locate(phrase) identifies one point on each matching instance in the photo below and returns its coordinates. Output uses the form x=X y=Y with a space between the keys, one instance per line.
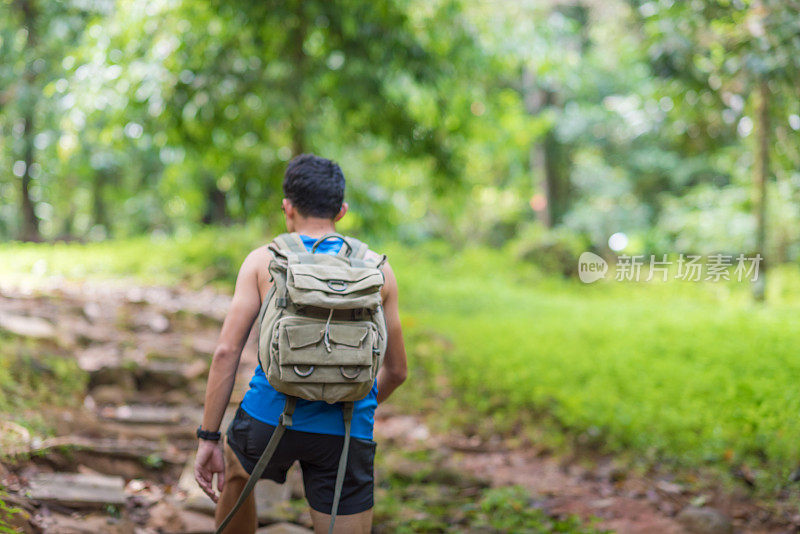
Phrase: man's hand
x=209 y=460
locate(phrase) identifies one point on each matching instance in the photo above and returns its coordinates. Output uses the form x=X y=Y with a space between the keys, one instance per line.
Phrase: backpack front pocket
x=326 y=286
x=319 y=352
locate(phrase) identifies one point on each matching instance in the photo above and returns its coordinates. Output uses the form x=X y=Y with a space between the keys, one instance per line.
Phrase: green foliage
x=553 y=251
x=678 y=372
x=7 y=514
x=425 y=502
x=32 y=375
x=509 y=510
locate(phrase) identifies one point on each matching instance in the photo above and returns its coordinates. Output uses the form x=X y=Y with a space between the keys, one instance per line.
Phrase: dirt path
x=121 y=462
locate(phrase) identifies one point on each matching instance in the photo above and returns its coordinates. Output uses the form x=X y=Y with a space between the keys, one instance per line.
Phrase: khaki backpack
x=322 y=335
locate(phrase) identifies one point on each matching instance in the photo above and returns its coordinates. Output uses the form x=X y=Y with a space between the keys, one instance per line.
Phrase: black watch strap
x=208 y=435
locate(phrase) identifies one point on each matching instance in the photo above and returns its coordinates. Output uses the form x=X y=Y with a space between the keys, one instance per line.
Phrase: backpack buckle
x=338 y=285
x=303 y=374
x=349 y=377
x=280 y=302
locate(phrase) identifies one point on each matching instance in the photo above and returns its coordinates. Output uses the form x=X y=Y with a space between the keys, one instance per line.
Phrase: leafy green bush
x=553 y=251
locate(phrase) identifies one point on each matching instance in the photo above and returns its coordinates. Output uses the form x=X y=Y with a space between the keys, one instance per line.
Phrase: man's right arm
x=222 y=374
x=394 y=369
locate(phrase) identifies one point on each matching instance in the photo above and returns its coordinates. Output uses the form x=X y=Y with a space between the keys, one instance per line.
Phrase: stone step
x=25 y=326
x=134 y=449
x=145 y=414
x=78 y=489
x=155 y=374
x=284 y=528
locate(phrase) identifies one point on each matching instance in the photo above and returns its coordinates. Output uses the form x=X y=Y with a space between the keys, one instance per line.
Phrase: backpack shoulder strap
x=357 y=249
x=291 y=242
x=347 y=415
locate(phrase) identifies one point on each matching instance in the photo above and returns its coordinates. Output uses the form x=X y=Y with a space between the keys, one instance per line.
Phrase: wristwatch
x=208 y=435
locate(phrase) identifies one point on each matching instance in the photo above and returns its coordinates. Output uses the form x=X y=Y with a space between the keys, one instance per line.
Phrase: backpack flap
x=340 y=353
x=334 y=287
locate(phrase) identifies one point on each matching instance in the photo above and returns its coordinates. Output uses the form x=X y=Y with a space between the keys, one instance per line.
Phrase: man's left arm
x=394 y=369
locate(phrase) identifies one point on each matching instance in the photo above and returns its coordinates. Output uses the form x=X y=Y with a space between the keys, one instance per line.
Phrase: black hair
x=314 y=186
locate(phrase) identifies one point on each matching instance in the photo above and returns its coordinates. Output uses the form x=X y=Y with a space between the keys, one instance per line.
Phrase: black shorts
x=319 y=459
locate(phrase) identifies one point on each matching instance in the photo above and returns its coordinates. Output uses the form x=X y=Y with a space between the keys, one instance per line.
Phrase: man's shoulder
x=257 y=258
x=259 y=253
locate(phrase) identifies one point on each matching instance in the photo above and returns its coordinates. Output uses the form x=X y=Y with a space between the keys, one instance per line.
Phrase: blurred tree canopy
x=557 y=122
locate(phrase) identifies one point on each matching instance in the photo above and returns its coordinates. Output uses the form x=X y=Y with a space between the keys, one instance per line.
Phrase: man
x=314 y=191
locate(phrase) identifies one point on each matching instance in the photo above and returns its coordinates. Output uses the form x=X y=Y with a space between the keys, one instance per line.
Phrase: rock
x=204 y=347
x=111 y=394
x=403 y=428
x=97 y=357
x=167 y=374
x=272 y=501
x=143 y=414
x=112 y=375
x=284 y=528
x=74 y=489
x=196 y=369
x=158 y=323
x=21 y=325
x=669 y=487
x=166 y=517
x=197 y=522
x=92 y=311
x=163 y=375
x=13 y=436
x=704 y=521
x=90 y=524
x=86 y=333
x=294 y=479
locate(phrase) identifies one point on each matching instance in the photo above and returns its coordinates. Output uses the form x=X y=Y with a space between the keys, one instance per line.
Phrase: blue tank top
x=265 y=404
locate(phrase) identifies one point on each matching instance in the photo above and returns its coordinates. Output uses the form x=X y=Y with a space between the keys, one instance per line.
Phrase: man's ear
x=289 y=213
x=341 y=213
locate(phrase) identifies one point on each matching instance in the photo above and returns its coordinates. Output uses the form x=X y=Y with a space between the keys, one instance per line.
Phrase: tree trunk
x=760 y=177
x=544 y=156
x=99 y=212
x=30 y=222
x=298 y=113
x=216 y=211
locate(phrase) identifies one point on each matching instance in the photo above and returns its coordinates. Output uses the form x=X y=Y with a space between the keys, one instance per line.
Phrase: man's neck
x=314 y=227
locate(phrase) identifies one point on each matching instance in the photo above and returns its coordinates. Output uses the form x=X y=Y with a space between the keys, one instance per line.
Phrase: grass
x=426 y=496
x=32 y=374
x=684 y=373
x=691 y=374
